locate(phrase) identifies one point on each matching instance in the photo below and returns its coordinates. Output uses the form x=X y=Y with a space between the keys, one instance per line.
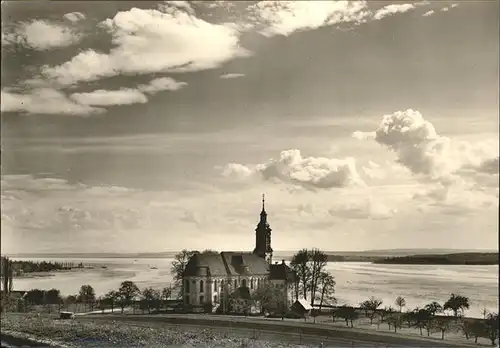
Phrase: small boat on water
x=153 y=267
x=104 y=266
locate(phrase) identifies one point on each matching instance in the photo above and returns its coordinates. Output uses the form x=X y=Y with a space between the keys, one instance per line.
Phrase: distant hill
x=367 y=255
x=443 y=259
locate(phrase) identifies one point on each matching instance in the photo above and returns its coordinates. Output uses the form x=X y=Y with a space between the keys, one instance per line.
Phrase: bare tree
x=178 y=266
x=400 y=302
x=302 y=268
x=491 y=327
x=326 y=288
x=318 y=260
x=443 y=325
x=370 y=307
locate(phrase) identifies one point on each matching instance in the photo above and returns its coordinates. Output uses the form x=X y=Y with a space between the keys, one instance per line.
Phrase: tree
x=348 y=313
x=148 y=296
x=400 y=302
x=395 y=320
x=110 y=298
x=433 y=308
x=318 y=260
x=7 y=273
x=327 y=289
x=484 y=312
x=300 y=265
x=422 y=317
x=270 y=298
x=53 y=296
x=443 y=325
x=165 y=294
x=127 y=292
x=69 y=300
x=86 y=295
x=491 y=327
x=456 y=303
x=178 y=266
x=370 y=307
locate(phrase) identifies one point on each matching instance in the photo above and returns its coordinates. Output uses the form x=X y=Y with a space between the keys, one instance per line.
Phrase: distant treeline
x=447 y=259
x=351 y=258
x=20 y=267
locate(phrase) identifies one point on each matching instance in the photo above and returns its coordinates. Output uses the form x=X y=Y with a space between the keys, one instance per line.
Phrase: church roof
x=202 y=265
x=245 y=263
x=227 y=263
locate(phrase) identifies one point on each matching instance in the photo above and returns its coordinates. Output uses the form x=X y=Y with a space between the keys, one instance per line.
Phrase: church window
x=222 y=283
x=215 y=299
x=251 y=283
x=187 y=285
x=244 y=283
x=236 y=283
x=202 y=299
x=215 y=284
x=201 y=285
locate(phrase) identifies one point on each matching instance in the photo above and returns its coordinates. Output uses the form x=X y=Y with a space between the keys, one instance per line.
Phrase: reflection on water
x=356 y=281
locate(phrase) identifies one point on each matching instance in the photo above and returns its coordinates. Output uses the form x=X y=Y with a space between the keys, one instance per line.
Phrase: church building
x=213 y=277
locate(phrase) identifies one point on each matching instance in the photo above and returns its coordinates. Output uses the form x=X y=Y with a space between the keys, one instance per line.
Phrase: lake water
x=356 y=281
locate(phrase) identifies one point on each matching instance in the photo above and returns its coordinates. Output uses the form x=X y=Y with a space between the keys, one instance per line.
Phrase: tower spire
x=263 y=202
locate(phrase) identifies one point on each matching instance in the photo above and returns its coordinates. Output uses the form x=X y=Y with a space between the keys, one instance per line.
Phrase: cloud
x=174 y=6
x=309 y=172
x=454 y=5
x=445 y=9
x=161 y=84
x=286 y=17
x=125 y=96
x=365 y=209
x=40 y=35
x=231 y=76
x=390 y=10
x=44 y=101
x=423 y=151
x=428 y=13
x=363 y=135
x=74 y=16
x=150 y=41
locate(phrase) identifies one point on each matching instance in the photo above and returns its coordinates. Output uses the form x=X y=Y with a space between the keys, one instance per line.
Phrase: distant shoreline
x=466 y=259
x=374 y=257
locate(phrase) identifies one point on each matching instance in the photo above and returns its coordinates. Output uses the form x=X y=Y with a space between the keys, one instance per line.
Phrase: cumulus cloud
x=445 y=9
x=74 y=16
x=150 y=41
x=40 y=35
x=454 y=5
x=102 y=97
x=428 y=13
x=161 y=84
x=422 y=150
x=392 y=9
x=44 y=101
x=308 y=172
x=285 y=17
x=231 y=76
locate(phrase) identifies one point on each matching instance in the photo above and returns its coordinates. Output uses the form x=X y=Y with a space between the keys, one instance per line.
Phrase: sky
x=157 y=126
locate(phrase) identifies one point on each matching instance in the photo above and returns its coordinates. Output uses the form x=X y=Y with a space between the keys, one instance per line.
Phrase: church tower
x=263 y=236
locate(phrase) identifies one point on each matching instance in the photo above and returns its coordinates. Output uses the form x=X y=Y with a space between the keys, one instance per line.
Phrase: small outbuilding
x=301 y=308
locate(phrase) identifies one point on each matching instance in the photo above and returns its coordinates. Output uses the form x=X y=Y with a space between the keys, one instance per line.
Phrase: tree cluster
x=312 y=281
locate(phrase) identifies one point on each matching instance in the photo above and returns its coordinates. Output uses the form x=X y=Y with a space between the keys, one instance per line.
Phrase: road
x=276 y=330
